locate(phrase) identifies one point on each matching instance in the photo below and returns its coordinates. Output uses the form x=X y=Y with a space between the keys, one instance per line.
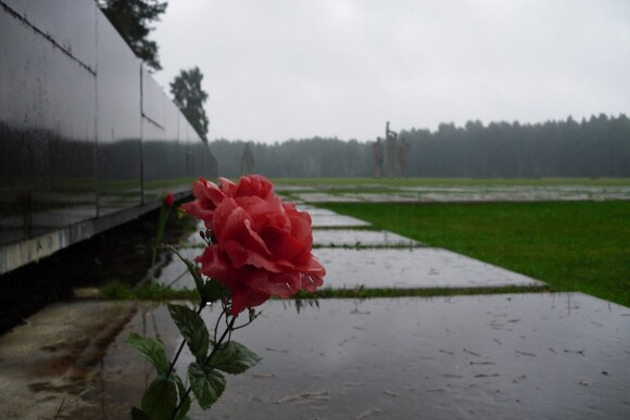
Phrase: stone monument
x=247 y=161
x=377 y=152
x=403 y=158
x=391 y=151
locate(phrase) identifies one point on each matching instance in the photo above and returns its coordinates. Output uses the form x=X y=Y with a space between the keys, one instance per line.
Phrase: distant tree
x=595 y=147
x=190 y=97
x=131 y=18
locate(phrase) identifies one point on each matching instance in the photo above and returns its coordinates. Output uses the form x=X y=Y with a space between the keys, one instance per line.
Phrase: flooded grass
x=573 y=246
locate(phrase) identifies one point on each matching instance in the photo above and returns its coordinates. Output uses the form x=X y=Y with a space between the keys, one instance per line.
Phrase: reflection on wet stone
x=360 y=238
x=405 y=268
x=340 y=359
x=424 y=194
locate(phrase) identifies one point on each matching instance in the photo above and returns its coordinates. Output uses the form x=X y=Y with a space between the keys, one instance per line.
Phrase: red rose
x=263 y=246
x=168 y=200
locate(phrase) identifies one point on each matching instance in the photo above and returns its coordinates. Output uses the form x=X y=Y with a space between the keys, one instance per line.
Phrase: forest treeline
x=595 y=147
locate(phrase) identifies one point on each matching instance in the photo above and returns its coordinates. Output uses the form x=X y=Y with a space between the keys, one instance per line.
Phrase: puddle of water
x=483 y=357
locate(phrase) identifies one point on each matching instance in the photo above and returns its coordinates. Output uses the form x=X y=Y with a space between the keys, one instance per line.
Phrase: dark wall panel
x=47 y=132
x=88 y=139
x=66 y=23
x=119 y=122
x=166 y=135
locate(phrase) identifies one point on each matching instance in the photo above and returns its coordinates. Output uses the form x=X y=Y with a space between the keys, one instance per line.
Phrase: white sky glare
x=289 y=69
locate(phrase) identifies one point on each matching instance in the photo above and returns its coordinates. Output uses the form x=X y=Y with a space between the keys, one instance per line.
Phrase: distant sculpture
x=377 y=152
x=403 y=158
x=391 y=151
x=247 y=161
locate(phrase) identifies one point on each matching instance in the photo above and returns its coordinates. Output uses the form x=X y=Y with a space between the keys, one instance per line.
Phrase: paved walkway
x=516 y=356
x=356 y=257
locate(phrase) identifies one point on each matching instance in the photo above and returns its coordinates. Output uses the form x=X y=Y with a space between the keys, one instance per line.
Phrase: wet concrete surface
x=57 y=357
x=475 y=194
x=412 y=268
x=523 y=356
x=337 y=220
x=406 y=268
x=322 y=218
x=360 y=238
x=344 y=238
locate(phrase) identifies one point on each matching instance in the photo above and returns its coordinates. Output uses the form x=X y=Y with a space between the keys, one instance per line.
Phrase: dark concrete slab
x=524 y=356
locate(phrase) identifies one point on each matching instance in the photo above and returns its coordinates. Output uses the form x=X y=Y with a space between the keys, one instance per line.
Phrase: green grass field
x=573 y=246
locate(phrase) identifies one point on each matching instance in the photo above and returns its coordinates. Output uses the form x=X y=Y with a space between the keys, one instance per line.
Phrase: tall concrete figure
x=377 y=152
x=247 y=161
x=391 y=151
x=403 y=158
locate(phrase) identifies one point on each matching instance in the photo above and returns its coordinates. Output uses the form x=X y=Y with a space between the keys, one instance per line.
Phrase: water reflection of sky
x=476 y=194
x=401 y=268
x=516 y=356
x=522 y=356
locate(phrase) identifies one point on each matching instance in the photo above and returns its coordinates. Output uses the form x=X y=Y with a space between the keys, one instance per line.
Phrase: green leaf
x=160 y=400
x=181 y=389
x=137 y=414
x=234 y=358
x=194 y=330
x=207 y=384
x=194 y=272
x=151 y=349
x=211 y=291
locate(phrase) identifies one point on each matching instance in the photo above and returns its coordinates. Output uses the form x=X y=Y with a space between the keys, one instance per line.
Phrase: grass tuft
x=117 y=290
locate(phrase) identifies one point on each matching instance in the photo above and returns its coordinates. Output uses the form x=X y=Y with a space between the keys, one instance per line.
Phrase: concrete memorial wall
x=88 y=139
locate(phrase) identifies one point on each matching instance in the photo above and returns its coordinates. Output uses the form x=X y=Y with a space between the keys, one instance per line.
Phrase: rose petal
x=245 y=297
x=282 y=245
x=227 y=187
x=208 y=197
x=283 y=285
x=311 y=283
x=241 y=257
x=228 y=219
x=255 y=185
x=263 y=246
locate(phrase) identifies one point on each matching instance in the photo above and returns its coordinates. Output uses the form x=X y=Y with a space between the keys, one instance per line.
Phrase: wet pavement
x=360 y=239
x=518 y=356
x=416 y=268
x=396 y=268
x=424 y=194
x=343 y=237
x=521 y=356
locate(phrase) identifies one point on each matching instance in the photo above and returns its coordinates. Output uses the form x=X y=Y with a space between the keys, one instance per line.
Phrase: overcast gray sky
x=282 y=69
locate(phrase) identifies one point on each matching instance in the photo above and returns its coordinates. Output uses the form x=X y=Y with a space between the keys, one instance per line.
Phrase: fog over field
x=277 y=70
